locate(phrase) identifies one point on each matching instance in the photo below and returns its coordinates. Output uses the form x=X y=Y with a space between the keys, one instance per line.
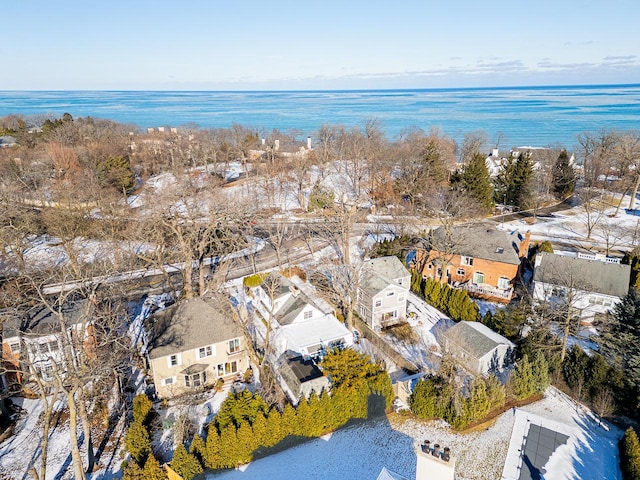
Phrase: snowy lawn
x=360 y=451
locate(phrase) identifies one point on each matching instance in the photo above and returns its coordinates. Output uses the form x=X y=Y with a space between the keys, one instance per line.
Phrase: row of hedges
x=435 y=396
x=246 y=426
x=453 y=302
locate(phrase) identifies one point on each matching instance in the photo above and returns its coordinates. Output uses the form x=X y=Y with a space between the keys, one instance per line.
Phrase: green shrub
x=254 y=280
x=142 y=406
x=185 y=464
x=630 y=455
x=137 y=442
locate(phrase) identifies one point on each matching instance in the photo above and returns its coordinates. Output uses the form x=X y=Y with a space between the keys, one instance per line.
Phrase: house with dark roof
x=591 y=286
x=478 y=258
x=383 y=291
x=478 y=348
x=194 y=343
x=300 y=322
x=32 y=341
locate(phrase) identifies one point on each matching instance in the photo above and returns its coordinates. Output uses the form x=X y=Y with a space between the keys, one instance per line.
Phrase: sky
x=309 y=45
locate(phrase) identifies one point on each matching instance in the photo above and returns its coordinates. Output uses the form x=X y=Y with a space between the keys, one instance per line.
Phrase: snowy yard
x=359 y=452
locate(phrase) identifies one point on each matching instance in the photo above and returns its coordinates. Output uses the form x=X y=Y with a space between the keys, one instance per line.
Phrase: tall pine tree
x=477 y=183
x=564 y=176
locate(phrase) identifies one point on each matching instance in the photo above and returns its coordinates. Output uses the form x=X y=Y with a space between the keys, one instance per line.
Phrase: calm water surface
x=537 y=116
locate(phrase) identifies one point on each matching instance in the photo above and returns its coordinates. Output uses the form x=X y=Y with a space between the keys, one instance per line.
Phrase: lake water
x=537 y=116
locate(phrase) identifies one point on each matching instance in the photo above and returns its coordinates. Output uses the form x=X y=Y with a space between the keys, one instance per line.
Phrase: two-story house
x=383 y=291
x=298 y=322
x=194 y=343
x=589 y=286
x=33 y=342
x=478 y=258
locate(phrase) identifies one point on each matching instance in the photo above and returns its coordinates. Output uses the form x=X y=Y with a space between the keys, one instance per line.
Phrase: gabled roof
x=480 y=240
x=379 y=273
x=193 y=323
x=389 y=475
x=581 y=274
x=291 y=308
x=389 y=267
x=475 y=338
x=43 y=322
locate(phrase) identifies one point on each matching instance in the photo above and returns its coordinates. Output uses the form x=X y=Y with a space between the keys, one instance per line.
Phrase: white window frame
x=504 y=283
x=391 y=293
x=227 y=368
x=308 y=314
x=476 y=275
x=235 y=348
x=460 y=272
x=168 y=381
x=209 y=351
x=178 y=360
x=16 y=345
x=378 y=303
x=467 y=261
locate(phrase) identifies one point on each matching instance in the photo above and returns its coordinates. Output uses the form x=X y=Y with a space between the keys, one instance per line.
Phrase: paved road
x=541 y=212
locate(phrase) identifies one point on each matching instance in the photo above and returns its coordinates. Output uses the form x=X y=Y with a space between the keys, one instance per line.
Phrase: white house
x=383 y=291
x=478 y=348
x=591 y=286
x=299 y=323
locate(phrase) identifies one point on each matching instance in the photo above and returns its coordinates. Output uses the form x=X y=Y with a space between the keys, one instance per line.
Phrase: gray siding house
x=383 y=292
x=478 y=348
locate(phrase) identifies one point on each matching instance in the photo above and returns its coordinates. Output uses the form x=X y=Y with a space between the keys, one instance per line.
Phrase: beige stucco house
x=194 y=343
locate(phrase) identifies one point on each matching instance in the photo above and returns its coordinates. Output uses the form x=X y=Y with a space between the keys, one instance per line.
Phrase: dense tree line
x=246 y=425
x=440 y=397
x=454 y=302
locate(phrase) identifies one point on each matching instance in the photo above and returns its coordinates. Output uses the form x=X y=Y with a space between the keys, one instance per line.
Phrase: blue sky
x=321 y=44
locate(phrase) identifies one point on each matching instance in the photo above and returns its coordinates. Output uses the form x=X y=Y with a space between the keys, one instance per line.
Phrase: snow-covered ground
x=359 y=452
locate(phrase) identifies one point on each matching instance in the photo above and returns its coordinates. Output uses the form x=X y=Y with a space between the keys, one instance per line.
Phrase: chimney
x=446 y=455
x=430 y=465
x=523 y=248
x=294 y=290
x=495 y=152
x=276 y=144
x=263 y=141
x=308 y=143
x=161 y=129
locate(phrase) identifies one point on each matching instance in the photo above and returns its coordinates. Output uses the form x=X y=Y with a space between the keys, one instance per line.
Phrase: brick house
x=478 y=258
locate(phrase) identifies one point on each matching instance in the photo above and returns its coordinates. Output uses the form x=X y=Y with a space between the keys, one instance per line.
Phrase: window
x=174 y=360
x=390 y=294
x=378 y=303
x=227 y=368
x=468 y=261
x=53 y=346
x=168 y=381
x=399 y=281
x=401 y=298
x=429 y=267
x=363 y=311
x=15 y=347
x=504 y=283
x=460 y=272
x=195 y=380
x=234 y=345
x=389 y=315
x=308 y=314
x=478 y=277
x=205 y=351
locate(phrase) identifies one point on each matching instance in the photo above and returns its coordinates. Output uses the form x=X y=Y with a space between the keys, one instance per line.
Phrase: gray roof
x=480 y=240
x=292 y=308
x=389 y=267
x=475 y=338
x=581 y=274
x=379 y=273
x=191 y=324
x=7 y=140
x=43 y=322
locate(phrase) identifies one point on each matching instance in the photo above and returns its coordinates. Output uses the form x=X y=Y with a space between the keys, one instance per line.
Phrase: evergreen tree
x=523 y=381
x=477 y=183
x=347 y=367
x=137 y=442
x=564 y=176
x=212 y=455
x=245 y=445
x=514 y=184
x=198 y=449
x=185 y=464
x=630 y=455
x=575 y=367
x=632 y=258
x=239 y=407
x=133 y=471
x=142 y=406
x=540 y=371
x=495 y=392
x=479 y=402
x=304 y=419
x=260 y=431
x=317 y=424
x=621 y=337
x=153 y=470
x=288 y=420
x=275 y=428
x=227 y=443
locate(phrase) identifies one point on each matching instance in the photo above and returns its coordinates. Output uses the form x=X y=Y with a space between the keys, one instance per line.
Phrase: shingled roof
x=475 y=338
x=479 y=241
x=581 y=274
x=191 y=324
